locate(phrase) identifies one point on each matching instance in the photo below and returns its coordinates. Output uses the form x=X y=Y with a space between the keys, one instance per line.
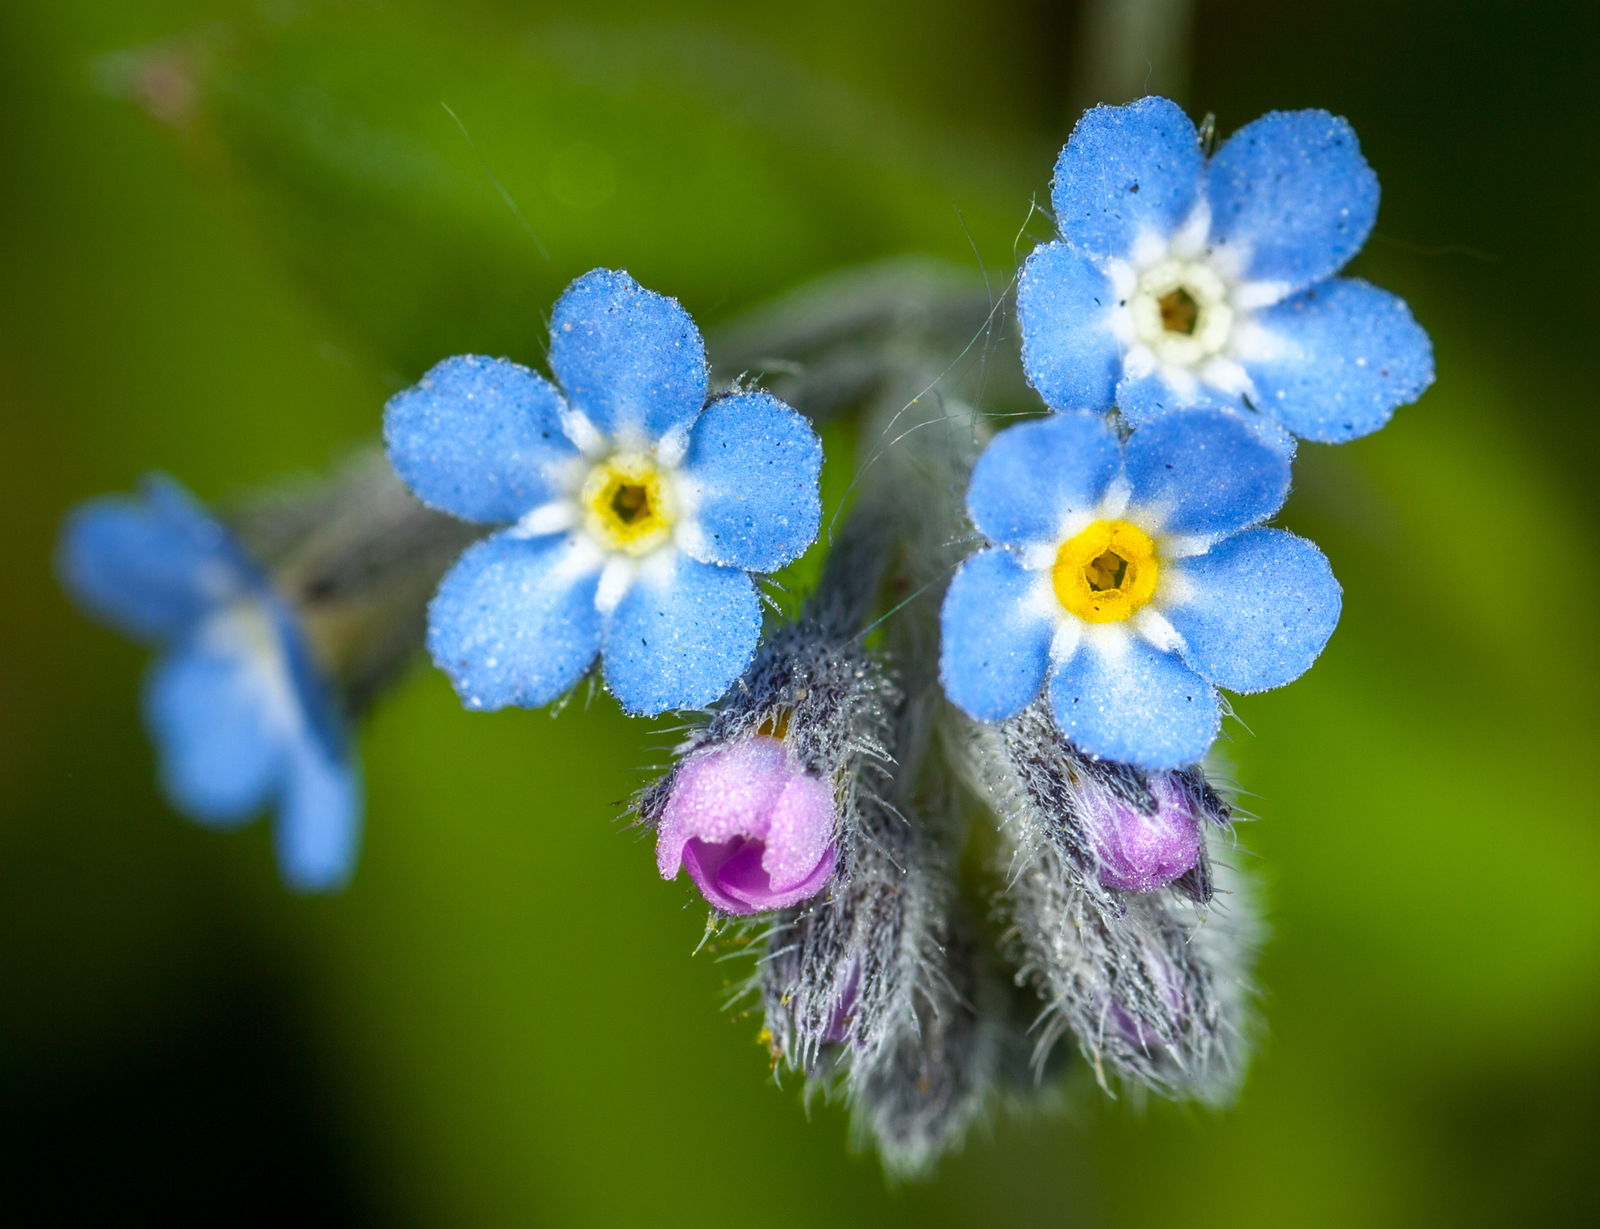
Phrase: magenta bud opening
x=1140 y=853
x=753 y=828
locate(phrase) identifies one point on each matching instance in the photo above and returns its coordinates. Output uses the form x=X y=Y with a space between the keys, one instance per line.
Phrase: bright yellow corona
x=1106 y=573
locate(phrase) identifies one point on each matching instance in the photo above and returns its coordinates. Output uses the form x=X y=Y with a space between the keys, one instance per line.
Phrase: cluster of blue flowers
x=1196 y=298
x=1186 y=326
x=1184 y=330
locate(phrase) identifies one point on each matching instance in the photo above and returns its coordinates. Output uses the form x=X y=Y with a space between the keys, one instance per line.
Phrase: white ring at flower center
x=1213 y=317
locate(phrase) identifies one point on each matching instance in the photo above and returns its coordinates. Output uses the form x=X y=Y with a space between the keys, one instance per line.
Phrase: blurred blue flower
x=1183 y=282
x=1130 y=579
x=640 y=511
x=241 y=714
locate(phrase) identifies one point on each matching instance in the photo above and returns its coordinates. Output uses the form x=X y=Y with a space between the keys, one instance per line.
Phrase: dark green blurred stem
x=359 y=558
x=911 y=346
x=886 y=342
x=1129 y=48
x=912 y=349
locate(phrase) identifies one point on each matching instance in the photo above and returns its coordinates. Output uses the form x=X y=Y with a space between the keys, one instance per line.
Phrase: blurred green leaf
x=438 y=182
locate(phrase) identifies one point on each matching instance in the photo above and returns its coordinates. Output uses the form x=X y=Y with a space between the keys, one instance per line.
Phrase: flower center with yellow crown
x=629 y=504
x=1106 y=573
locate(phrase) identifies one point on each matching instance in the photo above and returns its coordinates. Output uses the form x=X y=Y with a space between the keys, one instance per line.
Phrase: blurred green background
x=219 y=256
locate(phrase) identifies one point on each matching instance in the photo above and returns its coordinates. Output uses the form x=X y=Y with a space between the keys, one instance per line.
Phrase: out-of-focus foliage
x=500 y=1022
x=437 y=179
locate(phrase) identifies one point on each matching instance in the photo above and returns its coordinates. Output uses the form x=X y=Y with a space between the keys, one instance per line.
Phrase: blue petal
x=1264 y=603
x=1150 y=396
x=630 y=359
x=1205 y=473
x=1140 y=706
x=1351 y=354
x=1064 y=310
x=319 y=701
x=1293 y=190
x=994 y=647
x=757 y=463
x=475 y=437
x=514 y=621
x=1034 y=475
x=150 y=566
x=1126 y=169
x=682 y=634
x=215 y=713
x=318 y=833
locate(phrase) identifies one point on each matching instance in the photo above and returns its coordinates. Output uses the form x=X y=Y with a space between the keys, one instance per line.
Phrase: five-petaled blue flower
x=241 y=714
x=640 y=511
x=1130 y=578
x=1183 y=282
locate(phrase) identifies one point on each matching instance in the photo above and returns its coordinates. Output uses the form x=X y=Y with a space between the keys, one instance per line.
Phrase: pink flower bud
x=1140 y=853
x=753 y=828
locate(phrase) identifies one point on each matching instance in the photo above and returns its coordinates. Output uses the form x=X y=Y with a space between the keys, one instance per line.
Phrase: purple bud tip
x=1140 y=853
x=845 y=1009
x=754 y=829
x=1146 y=1036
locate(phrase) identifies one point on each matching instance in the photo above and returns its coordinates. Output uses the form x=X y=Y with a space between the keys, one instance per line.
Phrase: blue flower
x=1183 y=282
x=1131 y=579
x=242 y=716
x=639 y=511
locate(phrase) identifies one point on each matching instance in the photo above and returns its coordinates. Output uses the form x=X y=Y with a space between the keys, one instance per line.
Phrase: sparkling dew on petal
x=800 y=838
x=754 y=830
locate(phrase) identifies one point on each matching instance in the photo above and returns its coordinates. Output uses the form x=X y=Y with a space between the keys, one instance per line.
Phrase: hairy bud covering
x=1154 y=982
x=1159 y=996
x=1091 y=812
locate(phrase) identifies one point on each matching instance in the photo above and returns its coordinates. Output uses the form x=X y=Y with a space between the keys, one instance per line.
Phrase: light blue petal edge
x=1294 y=191
x=1145 y=708
x=681 y=635
x=1149 y=397
x=1205 y=473
x=630 y=359
x=221 y=748
x=1069 y=353
x=1126 y=169
x=317 y=835
x=476 y=437
x=1035 y=474
x=1352 y=354
x=994 y=652
x=757 y=463
x=151 y=565
x=1264 y=604
x=514 y=621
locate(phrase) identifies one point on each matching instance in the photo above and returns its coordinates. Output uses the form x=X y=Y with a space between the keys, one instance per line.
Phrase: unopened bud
x=754 y=830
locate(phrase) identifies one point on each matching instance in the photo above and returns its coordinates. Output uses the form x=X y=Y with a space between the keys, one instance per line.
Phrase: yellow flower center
x=1107 y=572
x=630 y=507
